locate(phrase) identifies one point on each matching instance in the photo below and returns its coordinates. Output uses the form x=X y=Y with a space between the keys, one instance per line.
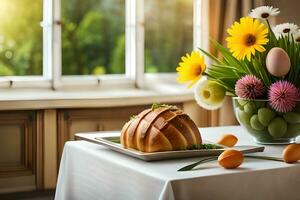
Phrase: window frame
x=134 y=77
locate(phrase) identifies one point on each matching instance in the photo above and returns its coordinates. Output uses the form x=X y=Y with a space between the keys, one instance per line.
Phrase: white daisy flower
x=209 y=94
x=264 y=12
x=285 y=29
x=296 y=37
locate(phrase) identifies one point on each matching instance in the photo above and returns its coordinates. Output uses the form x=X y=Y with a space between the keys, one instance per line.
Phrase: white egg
x=278 y=62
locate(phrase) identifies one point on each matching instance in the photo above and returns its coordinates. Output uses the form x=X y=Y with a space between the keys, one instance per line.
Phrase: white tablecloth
x=89 y=171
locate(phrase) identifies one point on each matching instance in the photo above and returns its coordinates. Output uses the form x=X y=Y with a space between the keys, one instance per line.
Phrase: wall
x=289 y=10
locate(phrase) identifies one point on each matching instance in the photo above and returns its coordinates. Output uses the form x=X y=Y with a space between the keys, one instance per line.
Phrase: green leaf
x=191 y=166
x=210 y=56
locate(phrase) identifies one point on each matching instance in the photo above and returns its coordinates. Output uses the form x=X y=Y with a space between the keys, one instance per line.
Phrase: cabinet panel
x=11 y=143
x=84 y=125
x=20 y=144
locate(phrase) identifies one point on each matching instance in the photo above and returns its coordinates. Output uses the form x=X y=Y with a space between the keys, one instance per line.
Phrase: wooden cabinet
x=21 y=151
x=31 y=142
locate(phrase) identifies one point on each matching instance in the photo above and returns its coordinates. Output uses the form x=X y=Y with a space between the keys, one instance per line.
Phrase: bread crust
x=160 y=129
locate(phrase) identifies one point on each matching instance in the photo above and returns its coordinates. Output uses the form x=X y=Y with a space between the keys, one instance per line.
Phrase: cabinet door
x=20 y=155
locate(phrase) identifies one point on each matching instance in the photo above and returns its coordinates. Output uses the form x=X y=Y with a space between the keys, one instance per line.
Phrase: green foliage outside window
x=93 y=36
x=168 y=33
x=20 y=37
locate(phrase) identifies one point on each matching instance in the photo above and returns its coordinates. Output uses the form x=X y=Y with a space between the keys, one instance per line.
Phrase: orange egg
x=230 y=159
x=228 y=140
x=291 y=153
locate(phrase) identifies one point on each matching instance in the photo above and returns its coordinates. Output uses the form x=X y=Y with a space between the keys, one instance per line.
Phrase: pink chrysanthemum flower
x=249 y=87
x=283 y=96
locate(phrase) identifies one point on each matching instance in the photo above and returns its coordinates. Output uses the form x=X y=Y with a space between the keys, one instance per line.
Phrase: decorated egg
x=228 y=140
x=278 y=62
x=230 y=159
x=291 y=153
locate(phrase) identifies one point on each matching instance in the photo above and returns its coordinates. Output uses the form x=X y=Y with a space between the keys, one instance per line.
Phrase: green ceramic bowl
x=265 y=124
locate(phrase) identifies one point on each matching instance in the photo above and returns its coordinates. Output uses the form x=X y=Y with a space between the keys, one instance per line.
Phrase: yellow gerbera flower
x=246 y=37
x=191 y=68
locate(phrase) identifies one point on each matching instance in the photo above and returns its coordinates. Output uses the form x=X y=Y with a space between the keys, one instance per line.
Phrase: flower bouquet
x=260 y=69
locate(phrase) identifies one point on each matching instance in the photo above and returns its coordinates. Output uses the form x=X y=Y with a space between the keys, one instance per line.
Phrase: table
x=89 y=171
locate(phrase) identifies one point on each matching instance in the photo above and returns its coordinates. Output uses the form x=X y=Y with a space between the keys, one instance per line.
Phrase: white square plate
x=110 y=140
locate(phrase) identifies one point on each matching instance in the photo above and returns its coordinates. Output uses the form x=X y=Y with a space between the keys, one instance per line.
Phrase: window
x=93 y=37
x=168 y=33
x=89 y=42
x=20 y=37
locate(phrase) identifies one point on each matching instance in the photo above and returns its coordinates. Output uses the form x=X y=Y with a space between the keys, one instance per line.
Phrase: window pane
x=20 y=37
x=93 y=37
x=168 y=33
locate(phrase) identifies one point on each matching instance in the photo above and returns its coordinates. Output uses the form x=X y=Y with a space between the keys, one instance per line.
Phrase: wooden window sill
x=18 y=99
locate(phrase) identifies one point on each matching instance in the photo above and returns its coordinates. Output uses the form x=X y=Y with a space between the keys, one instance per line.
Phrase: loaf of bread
x=161 y=128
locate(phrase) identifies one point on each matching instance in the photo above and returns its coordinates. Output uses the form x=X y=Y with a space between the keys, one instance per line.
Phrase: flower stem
x=265 y=158
x=191 y=166
x=209 y=159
